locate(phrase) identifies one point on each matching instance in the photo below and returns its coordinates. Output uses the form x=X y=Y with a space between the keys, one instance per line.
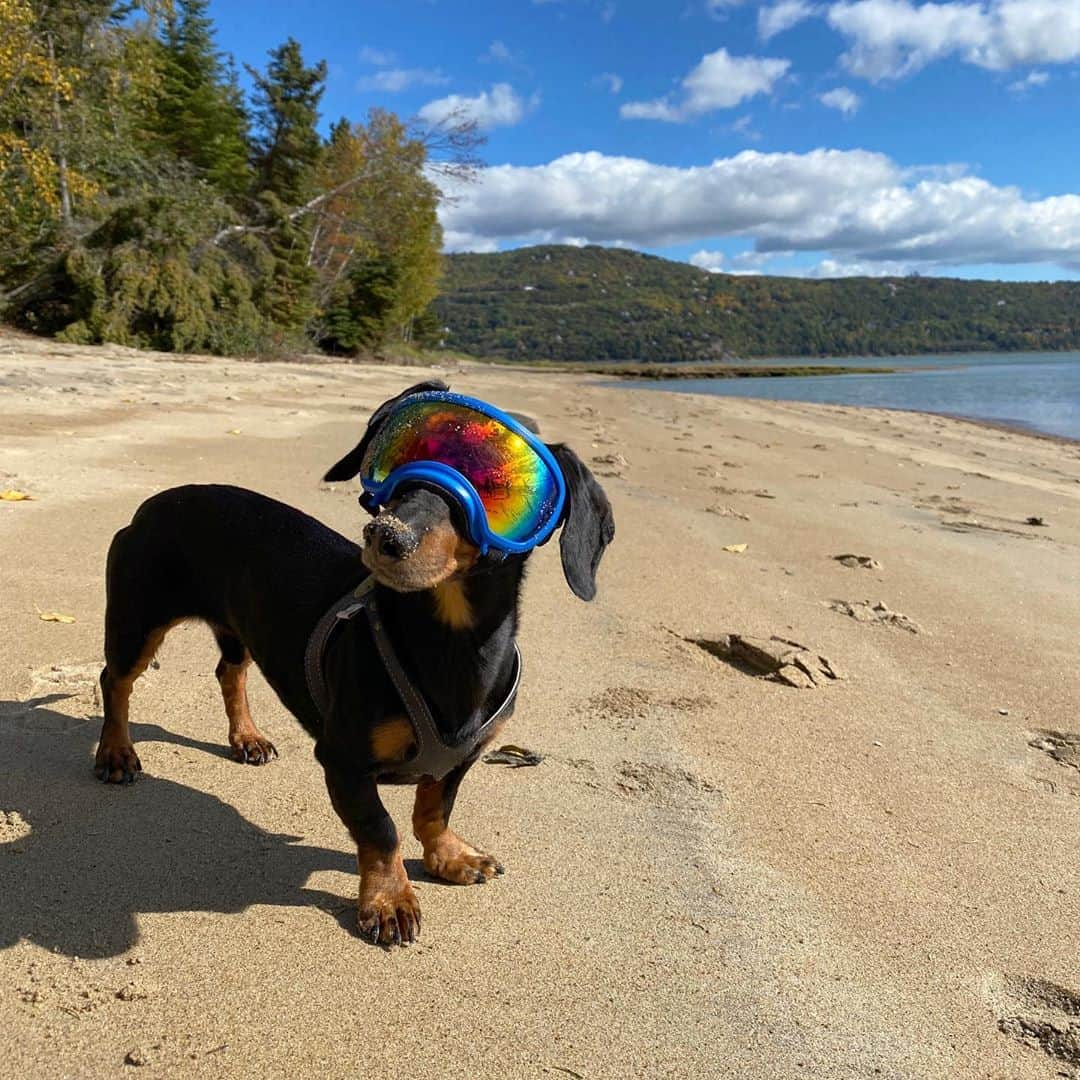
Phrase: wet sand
x=711 y=874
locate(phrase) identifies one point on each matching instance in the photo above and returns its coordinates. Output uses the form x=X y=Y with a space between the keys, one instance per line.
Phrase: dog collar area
x=434 y=756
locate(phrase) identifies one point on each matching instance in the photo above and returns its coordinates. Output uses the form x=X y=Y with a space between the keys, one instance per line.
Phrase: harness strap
x=433 y=757
x=345 y=608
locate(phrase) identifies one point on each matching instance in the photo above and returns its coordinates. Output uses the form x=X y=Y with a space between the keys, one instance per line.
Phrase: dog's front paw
x=389 y=918
x=117 y=764
x=451 y=859
x=252 y=748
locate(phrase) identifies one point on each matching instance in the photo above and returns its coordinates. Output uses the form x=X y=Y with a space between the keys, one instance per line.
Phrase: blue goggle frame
x=460 y=488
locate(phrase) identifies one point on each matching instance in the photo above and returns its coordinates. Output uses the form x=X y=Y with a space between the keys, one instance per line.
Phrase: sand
x=711 y=874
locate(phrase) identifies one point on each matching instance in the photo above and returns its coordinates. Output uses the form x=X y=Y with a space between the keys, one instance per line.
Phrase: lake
x=1038 y=391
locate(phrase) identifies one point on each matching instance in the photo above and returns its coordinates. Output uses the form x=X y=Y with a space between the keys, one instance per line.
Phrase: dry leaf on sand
x=736 y=549
x=11 y=495
x=55 y=616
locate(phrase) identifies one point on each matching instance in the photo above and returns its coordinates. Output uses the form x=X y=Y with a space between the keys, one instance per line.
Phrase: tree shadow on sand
x=97 y=856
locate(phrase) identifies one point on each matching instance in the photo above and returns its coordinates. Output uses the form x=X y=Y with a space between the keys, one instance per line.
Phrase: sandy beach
x=711 y=874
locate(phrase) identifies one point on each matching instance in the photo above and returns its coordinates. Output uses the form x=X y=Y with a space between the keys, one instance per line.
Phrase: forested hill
x=588 y=304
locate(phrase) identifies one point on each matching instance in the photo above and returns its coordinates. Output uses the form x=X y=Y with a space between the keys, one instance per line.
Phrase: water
x=1038 y=391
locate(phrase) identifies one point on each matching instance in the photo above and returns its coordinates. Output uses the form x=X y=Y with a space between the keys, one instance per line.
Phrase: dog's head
x=419 y=540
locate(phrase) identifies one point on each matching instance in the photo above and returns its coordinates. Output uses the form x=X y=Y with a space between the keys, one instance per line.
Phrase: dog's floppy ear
x=526 y=422
x=349 y=465
x=588 y=523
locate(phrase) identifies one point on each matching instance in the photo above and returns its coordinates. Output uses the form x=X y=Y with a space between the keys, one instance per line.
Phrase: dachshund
x=265 y=577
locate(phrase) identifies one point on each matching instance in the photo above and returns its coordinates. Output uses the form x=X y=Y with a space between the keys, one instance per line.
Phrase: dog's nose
x=391 y=537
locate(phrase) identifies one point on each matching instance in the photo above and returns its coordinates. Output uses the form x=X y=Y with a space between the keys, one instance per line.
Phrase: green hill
x=592 y=303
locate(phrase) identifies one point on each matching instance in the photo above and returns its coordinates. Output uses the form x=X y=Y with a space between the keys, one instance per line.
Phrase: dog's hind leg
x=138 y=615
x=248 y=743
x=127 y=656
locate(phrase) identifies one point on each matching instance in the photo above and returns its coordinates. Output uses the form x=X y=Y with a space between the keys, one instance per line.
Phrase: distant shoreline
x=691 y=370
x=1015 y=427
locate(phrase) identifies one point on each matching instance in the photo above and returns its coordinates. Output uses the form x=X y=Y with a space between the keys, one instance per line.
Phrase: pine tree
x=134 y=208
x=287 y=144
x=287 y=148
x=200 y=117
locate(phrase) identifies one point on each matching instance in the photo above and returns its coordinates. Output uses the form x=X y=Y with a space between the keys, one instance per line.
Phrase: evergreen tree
x=200 y=115
x=134 y=209
x=287 y=148
x=362 y=308
x=286 y=294
x=287 y=144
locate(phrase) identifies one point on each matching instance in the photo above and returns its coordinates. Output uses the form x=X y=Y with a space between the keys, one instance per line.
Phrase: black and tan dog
x=263 y=574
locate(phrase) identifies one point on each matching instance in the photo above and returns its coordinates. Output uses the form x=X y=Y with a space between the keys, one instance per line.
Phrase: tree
x=285 y=153
x=29 y=191
x=200 y=113
x=377 y=240
x=135 y=207
x=74 y=81
x=287 y=145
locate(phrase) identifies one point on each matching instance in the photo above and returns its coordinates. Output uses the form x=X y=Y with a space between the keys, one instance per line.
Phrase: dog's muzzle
x=391 y=537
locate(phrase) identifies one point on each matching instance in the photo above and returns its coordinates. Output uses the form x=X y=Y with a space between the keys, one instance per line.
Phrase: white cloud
x=459 y=241
x=498 y=107
x=841 y=98
x=651 y=110
x=836 y=268
x=776 y=18
x=394 y=80
x=613 y=82
x=720 y=81
x=499 y=52
x=854 y=206
x=752 y=262
x=713 y=261
x=740 y=265
x=893 y=38
x=1033 y=78
x=744 y=126
x=377 y=57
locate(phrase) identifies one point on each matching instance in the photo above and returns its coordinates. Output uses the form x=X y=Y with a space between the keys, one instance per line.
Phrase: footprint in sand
x=858 y=562
x=621 y=705
x=877 y=613
x=1062 y=746
x=609 y=464
x=662 y=784
x=1041 y=1015
x=945 y=504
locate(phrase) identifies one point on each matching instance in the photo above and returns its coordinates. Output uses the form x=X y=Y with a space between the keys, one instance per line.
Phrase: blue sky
x=789 y=136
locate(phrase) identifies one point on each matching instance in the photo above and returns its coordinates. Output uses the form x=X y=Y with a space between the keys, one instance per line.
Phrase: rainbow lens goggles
x=506 y=481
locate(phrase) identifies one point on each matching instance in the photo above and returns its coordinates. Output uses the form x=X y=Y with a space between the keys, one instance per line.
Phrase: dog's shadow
x=79 y=860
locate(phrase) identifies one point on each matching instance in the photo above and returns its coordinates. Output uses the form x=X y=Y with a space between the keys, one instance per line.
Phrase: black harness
x=434 y=757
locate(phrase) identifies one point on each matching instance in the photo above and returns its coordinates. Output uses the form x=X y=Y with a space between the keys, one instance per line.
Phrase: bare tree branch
x=451 y=145
x=309 y=207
